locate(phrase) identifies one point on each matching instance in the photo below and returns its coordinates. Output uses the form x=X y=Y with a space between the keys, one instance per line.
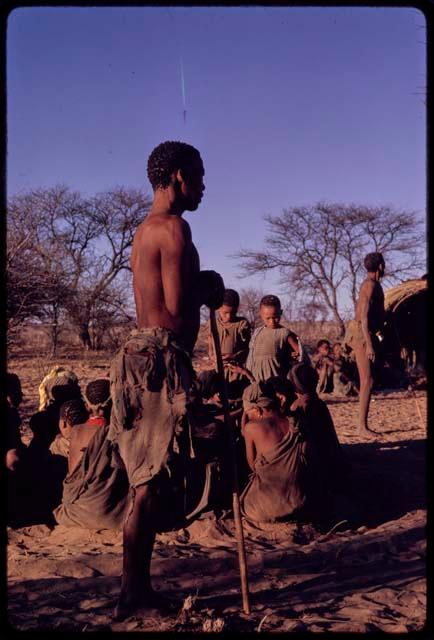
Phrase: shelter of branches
x=406 y=307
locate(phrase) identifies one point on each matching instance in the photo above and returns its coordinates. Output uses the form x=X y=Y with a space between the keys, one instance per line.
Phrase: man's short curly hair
x=373 y=261
x=271 y=301
x=168 y=157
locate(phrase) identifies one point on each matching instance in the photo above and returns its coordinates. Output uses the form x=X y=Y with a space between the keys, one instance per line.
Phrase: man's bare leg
x=138 y=543
x=366 y=384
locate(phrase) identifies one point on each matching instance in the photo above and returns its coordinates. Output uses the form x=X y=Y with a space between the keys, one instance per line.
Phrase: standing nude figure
x=362 y=333
x=152 y=376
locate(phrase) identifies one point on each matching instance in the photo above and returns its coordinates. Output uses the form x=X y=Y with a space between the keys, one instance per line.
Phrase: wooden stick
x=233 y=459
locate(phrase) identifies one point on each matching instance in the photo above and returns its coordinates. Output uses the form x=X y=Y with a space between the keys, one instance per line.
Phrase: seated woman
x=54 y=391
x=313 y=417
x=281 y=458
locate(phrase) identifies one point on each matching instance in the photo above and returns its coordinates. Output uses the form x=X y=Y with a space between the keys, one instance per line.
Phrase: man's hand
x=370 y=353
x=12 y=460
x=212 y=289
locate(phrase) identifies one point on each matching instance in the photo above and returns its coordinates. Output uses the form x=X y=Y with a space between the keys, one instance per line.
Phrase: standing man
x=362 y=333
x=152 y=378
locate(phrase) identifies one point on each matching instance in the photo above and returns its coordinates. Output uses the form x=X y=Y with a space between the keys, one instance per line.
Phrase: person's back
x=279 y=455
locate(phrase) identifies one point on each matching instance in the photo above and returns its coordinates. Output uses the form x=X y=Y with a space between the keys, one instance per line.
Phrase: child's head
x=270 y=311
x=97 y=396
x=323 y=347
x=304 y=378
x=259 y=400
x=14 y=393
x=72 y=412
x=229 y=308
x=283 y=390
x=337 y=349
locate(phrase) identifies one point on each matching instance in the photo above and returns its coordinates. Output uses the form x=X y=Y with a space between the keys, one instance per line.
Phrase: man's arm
x=175 y=269
x=364 y=301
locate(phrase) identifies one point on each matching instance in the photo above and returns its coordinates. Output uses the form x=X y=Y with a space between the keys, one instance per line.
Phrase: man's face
x=270 y=316
x=227 y=313
x=192 y=186
x=381 y=270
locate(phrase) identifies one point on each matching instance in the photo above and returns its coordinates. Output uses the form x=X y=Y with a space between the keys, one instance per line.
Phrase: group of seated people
x=289 y=458
x=337 y=373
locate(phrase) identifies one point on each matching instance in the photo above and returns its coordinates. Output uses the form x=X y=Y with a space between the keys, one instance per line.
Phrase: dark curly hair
x=231 y=298
x=321 y=342
x=98 y=391
x=168 y=157
x=373 y=261
x=270 y=301
x=74 y=412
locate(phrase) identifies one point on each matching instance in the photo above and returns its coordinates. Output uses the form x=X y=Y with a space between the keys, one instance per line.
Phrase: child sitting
x=273 y=348
x=323 y=363
x=343 y=384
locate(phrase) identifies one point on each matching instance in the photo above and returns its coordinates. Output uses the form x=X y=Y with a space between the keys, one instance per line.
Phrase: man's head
x=14 y=393
x=97 y=396
x=178 y=165
x=229 y=308
x=374 y=263
x=270 y=311
x=71 y=413
x=323 y=347
x=259 y=400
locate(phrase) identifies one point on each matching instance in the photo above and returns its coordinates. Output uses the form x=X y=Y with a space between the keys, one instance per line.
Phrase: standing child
x=274 y=349
x=234 y=336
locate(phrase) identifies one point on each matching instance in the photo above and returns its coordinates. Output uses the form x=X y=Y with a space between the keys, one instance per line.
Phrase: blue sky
x=286 y=105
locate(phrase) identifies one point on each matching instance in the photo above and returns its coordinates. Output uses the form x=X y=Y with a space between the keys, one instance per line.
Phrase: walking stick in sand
x=233 y=461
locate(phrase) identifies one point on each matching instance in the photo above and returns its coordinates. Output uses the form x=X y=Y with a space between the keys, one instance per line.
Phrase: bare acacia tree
x=319 y=250
x=76 y=248
x=250 y=297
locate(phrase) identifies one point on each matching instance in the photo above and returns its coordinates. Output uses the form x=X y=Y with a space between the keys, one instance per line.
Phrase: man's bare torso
x=155 y=242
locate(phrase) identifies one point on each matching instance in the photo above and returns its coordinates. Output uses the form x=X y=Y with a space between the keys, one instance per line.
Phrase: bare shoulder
x=367 y=287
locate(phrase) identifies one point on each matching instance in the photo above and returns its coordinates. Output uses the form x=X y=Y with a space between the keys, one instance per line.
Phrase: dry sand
x=368 y=574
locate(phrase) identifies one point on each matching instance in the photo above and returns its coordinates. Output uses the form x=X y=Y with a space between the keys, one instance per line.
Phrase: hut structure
x=406 y=307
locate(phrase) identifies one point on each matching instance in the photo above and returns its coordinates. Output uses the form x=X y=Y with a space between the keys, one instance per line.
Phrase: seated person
x=322 y=362
x=234 y=335
x=280 y=456
x=98 y=403
x=72 y=413
x=15 y=449
x=45 y=423
x=15 y=459
x=314 y=419
x=343 y=373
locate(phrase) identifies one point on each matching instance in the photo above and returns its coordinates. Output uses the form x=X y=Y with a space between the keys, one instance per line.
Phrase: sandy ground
x=368 y=574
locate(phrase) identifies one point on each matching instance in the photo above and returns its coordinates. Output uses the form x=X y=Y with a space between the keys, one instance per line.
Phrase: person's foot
x=127 y=604
x=366 y=432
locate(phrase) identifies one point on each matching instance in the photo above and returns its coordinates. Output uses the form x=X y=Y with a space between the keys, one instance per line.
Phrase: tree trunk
x=85 y=336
